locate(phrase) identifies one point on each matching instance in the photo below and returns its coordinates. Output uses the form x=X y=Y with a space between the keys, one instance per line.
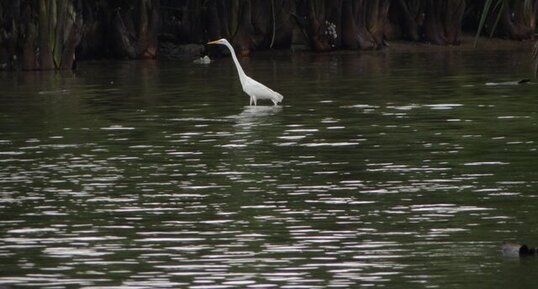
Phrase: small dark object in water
x=517 y=82
x=514 y=249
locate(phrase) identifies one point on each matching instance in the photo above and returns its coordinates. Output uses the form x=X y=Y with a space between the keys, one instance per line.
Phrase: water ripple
x=360 y=183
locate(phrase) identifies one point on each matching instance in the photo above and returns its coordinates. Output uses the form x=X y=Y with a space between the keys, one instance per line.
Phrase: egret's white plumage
x=250 y=86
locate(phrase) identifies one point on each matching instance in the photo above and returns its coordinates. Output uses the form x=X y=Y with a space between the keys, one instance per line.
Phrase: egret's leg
x=251 y=100
x=254 y=101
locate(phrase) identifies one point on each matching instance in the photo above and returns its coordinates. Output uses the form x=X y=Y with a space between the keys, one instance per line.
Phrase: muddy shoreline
x=467 y=43
x=191 y=51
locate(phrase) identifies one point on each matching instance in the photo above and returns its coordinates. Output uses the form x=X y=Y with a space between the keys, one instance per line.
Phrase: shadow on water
x=374 y=172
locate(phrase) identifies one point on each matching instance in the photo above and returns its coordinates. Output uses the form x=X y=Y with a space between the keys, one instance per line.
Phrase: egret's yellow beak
x=212 y=42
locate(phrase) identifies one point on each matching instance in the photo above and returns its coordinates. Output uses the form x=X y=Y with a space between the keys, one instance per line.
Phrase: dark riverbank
x=55 y=34
x=467 y=43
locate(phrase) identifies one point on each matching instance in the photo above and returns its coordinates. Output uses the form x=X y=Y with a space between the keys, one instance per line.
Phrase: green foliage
x=483 y=17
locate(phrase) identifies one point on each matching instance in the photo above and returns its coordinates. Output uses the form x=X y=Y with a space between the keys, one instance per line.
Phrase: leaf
x=503 y=6
x=485 y=13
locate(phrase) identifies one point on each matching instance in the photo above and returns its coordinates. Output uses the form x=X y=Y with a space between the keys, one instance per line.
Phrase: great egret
x=250 y=86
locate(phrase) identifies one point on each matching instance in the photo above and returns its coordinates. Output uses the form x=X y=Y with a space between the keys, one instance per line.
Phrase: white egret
x=250 y=86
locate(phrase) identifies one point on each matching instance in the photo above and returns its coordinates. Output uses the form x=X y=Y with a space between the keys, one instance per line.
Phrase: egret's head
x=222 y=41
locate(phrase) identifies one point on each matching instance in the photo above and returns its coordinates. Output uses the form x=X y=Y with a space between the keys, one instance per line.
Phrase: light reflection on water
x=370 y=174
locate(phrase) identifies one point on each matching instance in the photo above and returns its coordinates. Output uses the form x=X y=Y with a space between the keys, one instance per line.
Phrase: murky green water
x=396 y=170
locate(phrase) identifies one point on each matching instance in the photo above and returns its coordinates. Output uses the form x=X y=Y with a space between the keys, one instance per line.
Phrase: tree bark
x=45 y=52
x=283 y=24
x=316 y=24
x=365 y=38
x=411 y=18
x=29 y=39
x=378 y=14
x=453 y=19
x=242 y=38
x=349 y=28
x=433 y=29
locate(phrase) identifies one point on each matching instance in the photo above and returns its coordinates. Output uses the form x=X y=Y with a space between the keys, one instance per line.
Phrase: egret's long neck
x=240 y=71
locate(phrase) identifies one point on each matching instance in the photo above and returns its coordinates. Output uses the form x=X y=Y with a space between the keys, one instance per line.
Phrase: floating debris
x=513 y=250
x=525 y=80
x=203 y=60
x=58 y=91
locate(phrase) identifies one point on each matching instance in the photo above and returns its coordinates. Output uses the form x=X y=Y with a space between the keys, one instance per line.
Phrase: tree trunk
x=134 y=33
x=316 y=25
x=365 y=38
x=378 y=14
x=412 y=18
x=29 y=61
x=242 y=38
x=261 y=13
x=350 y=32
x=283 y=24
x=453 y=18
x=9 y=33
x=213 y=21
x=146 y=45
x=45 y=52
x=433 y=29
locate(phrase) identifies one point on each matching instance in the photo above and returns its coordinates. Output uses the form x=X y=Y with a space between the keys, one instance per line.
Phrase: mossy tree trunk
x=42 y=34
x=52 y=27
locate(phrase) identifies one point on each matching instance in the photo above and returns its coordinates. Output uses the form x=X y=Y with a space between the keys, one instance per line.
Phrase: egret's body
x=250 y=86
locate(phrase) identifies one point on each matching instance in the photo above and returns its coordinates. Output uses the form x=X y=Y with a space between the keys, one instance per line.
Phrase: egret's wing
x=260 y=91
x=257 y=89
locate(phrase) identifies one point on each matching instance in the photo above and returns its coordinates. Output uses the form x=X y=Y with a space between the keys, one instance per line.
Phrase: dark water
x=381 y=169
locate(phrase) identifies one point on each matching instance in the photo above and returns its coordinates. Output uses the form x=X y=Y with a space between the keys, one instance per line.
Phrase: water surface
x=384 y=169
